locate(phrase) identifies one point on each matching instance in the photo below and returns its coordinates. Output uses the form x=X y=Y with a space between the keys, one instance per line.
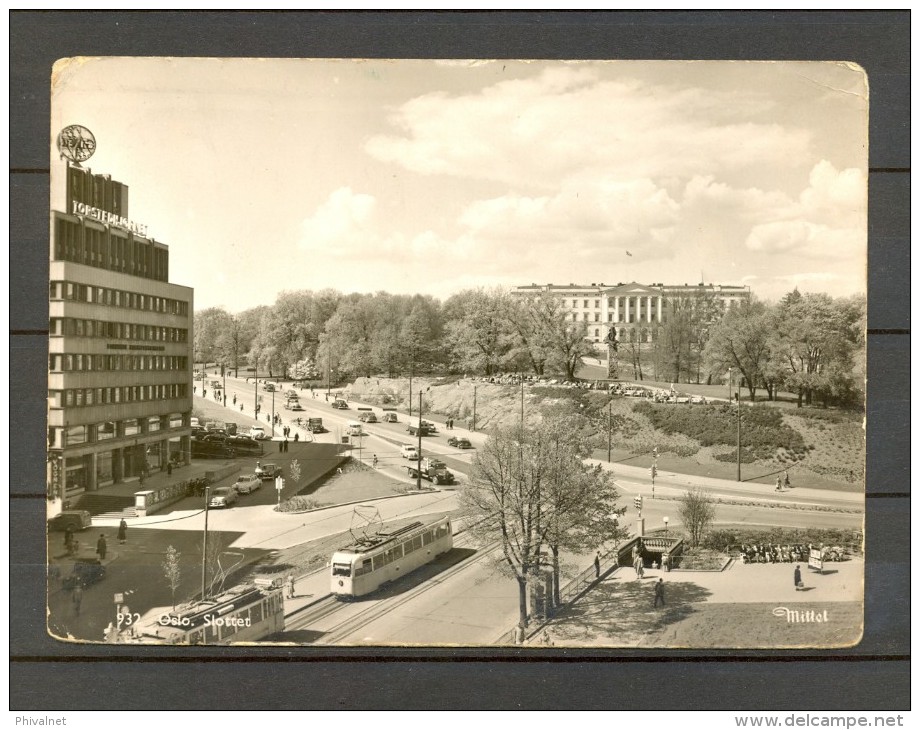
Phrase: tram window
x=441 y=531
x=210 y=634
x=365 y=567
x=414 y=544
x=343 y=569
x=427 y=537
x=256 y=612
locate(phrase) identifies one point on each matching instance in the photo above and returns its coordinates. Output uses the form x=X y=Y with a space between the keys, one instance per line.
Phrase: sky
x=265 y=175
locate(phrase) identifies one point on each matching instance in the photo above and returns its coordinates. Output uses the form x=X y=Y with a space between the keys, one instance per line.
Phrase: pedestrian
x=666 y=563
x=375 y=461
x=122 y=532
x=101 y=547
x=597 y=565
x=234 y=400
x=204 y=393
x=659 y=593
x=241 y=407
x=786 y=479
x=68 y=539
x=290 y=585
x=169 y=468
x=797 y=578
x=779 y=484
x=77 y=596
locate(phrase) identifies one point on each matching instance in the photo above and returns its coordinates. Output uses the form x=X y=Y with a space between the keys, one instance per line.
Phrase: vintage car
x=247 y=483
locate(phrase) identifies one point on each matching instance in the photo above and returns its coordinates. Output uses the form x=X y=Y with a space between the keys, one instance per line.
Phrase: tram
x=388 y=555
x=247 y=612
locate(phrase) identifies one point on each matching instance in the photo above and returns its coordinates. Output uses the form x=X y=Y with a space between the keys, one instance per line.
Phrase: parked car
x=257 y=433
x=223 y=497
x=368 y=417
x=76 y=519
x=244 y=445
x=697 y=399
x=269 y=387
x=247 y=483
x=389 y=418
x=86 y=571
x=408 y=451
x=459 y=442
x=293 y=405
x=339 y=404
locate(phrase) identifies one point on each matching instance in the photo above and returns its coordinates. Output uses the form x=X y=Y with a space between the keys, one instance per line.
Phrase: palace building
x=120 y=343
x=634 y=311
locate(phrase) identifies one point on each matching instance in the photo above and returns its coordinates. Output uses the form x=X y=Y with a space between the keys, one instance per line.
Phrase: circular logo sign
x=76 y=143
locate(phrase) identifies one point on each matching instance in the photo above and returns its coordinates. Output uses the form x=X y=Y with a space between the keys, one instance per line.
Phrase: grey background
x=46 y=674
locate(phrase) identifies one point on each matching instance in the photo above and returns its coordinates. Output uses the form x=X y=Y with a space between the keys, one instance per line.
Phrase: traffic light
x=638 y=502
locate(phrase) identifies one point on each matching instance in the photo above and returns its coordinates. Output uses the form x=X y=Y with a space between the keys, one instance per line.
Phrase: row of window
x=265 y=610
x=78 y=397
x=72 y=291
x=109 y=249
x=73 y=327
x=404 y=548
x=104 y=363
x=95 y=432
x=597 y=317
x=630 y=302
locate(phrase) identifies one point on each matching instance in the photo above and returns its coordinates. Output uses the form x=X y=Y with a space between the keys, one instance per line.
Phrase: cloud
x=827 y=221
x=565 y=120
x=341 y=225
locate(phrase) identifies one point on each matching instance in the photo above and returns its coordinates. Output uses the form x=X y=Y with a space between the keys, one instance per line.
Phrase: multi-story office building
x=120 y=345
x=634 y=311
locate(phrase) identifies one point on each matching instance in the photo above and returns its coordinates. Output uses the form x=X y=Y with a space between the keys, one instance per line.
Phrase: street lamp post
x=739 y=429
x=273 y=414
x=204 y=546
x=729 y=384
x=666 y=521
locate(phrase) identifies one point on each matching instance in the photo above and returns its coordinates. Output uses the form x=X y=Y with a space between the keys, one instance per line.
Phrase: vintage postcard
x=457 y=353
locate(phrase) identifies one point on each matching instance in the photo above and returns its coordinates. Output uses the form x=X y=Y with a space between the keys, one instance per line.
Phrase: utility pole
x=609 y=428
x=474 y=409
x=522 y=400
x=255 y=406
x=418 y=464
x=223 y=370
x=273 y=414
x=204 y=546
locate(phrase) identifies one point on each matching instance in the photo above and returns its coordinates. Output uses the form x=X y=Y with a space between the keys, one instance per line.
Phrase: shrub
x=299 y=504
x=763 y=430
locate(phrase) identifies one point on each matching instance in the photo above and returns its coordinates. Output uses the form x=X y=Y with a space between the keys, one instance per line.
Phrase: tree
x=741 y=341
x=294 y=471
x=562 y=339
x=173 y=572
x=531 y=489
x=580 y=501
x=814 y=340
x=476 y=330
x=210 y=326
x=697 y=513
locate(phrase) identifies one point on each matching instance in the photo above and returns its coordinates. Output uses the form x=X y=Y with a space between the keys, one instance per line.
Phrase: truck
x=434 y=470
x=315 y=425
x=414 y=427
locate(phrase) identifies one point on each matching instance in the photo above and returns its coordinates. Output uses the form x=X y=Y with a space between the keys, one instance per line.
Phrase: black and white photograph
x=518 y=354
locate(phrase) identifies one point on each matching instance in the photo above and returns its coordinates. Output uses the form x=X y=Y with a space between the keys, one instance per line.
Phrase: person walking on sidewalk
x=597 y=565
x=122 y=532
x=659 y=593
x=101 y=547
x=290 y=585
